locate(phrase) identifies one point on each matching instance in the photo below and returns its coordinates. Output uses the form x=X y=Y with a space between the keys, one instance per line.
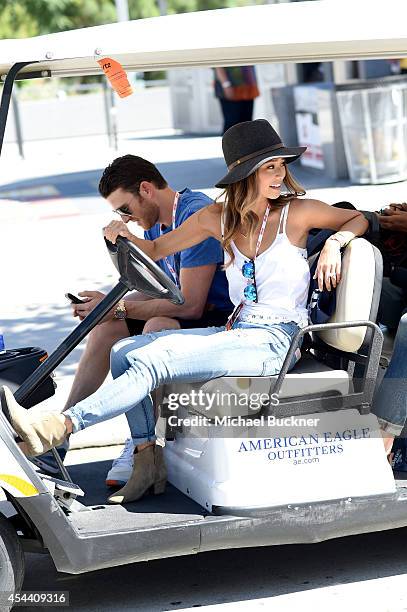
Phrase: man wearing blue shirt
x=138 y=192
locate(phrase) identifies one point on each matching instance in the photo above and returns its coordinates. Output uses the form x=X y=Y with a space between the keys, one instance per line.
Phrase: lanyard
x=174 y=208
x=167 y=261
x=261 y=234
x=235 y=314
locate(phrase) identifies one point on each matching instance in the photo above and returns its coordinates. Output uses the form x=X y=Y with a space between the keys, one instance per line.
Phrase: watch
x=120 y=311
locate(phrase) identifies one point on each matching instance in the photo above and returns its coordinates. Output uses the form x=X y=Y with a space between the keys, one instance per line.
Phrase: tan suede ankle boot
x=149 y=474
x=40 y=432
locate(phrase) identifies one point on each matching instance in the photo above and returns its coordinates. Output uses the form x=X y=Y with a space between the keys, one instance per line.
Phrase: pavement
x=71 y=168
x=51 y=218
x=366 y=572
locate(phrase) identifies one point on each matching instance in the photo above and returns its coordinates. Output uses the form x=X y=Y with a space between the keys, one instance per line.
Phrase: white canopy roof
x=299 y=31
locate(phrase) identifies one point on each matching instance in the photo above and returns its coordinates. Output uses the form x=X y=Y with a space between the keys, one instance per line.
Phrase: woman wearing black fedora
x=263 y=224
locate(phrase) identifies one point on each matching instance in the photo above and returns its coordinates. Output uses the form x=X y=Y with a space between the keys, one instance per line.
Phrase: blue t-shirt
x=207 y=252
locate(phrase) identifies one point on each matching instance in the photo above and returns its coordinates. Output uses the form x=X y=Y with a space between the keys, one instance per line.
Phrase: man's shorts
x=210 y=318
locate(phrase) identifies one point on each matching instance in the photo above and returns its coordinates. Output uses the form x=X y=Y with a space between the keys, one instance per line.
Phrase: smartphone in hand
x=74 y=299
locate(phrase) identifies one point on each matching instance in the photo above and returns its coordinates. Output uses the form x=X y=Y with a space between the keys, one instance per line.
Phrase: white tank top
x=282 y=280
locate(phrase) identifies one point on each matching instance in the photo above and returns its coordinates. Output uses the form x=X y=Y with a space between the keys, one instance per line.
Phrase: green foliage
x=14 y=22
x=140 y=9
x=19 y=18
x=22 y=18
x=186 y=6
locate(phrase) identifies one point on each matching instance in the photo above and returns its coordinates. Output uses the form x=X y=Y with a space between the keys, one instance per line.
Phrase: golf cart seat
x=309 y=378
x=324 y=368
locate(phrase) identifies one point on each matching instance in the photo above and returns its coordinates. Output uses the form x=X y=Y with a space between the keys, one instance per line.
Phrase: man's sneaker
x=47 y=464
x=122 y=467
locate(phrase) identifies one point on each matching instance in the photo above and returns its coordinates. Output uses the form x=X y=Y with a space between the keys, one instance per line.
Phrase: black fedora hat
x=246 y=145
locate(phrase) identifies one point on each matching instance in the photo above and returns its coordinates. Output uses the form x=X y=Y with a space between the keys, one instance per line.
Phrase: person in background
x=236 y=89
x=393 y=246
x=390 y=400
x=388 y=232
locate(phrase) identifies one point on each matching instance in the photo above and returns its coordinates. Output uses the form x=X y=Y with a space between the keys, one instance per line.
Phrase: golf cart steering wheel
x=139 y=272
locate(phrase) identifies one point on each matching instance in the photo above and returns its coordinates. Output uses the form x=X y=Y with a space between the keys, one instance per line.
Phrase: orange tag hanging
x=117 y=76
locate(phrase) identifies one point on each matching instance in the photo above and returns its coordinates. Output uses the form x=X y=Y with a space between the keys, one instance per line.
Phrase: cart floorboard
x=100 y=535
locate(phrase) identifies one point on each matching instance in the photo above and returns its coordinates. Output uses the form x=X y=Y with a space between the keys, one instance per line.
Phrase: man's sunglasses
x=123 y=211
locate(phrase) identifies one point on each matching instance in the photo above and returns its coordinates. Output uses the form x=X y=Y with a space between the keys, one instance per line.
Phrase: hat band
x=256 y=154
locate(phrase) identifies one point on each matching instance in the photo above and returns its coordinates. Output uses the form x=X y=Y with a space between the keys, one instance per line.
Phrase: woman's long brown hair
x=238 y=201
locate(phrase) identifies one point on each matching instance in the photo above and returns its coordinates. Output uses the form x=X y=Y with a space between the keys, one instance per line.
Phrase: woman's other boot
x=149 y=473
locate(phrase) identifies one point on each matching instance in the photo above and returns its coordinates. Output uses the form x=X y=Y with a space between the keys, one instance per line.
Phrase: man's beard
x=151 y=218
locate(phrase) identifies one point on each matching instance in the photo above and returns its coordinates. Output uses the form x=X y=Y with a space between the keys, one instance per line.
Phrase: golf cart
x=258 y=481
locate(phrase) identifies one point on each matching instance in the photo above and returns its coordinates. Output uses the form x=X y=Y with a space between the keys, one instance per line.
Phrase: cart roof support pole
x=6 y=96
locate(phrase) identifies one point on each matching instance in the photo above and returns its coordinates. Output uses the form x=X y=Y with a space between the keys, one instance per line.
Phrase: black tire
x=11 y=560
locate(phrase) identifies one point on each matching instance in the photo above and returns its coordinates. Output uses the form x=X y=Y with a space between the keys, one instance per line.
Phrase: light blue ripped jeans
x=390 y=401
x=142 y=363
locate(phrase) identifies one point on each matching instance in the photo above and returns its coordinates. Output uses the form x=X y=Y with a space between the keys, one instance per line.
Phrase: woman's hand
x=329 y=265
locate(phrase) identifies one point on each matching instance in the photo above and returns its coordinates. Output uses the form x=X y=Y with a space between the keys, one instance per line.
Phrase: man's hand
x=394 y=218
x=117 y=228
x=92 y=300
x=402 y=206
x=228 y=93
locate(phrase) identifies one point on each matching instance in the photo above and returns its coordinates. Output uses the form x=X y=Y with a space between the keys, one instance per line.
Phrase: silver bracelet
x=226 y=84
x=337 y=237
